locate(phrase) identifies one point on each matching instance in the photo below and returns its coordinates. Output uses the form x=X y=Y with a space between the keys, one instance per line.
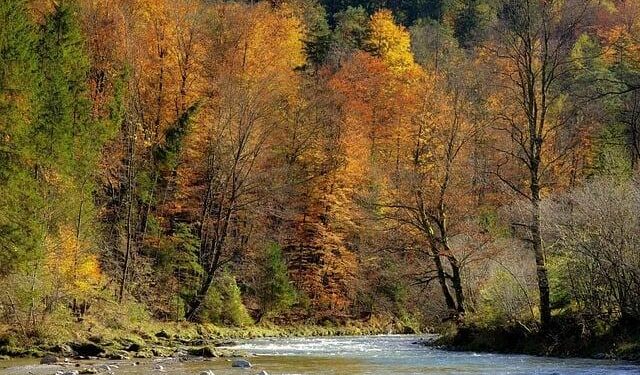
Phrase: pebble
x=159 y=368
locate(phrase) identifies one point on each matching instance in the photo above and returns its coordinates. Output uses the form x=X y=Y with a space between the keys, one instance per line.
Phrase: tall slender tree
x=534 y=44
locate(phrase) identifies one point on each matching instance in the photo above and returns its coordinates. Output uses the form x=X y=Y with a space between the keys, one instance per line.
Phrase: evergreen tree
x=318 y=35
x=67 y=143
x=18 y=79
x=277 y=293
x=64 y=118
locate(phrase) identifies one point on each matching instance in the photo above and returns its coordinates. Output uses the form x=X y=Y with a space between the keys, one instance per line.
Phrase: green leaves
x=277 y=293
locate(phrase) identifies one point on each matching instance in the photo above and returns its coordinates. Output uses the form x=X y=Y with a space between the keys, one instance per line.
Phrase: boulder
x=204 y=351
x=118 y=355
x=87 y=349
x=63 y=349
x=49 y=360
x=242 y=363
x=134 y=347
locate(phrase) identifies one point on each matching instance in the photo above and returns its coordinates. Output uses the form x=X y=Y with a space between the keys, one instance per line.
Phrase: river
x=389 y=354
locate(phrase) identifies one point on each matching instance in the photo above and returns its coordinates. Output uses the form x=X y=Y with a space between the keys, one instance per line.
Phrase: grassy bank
x=162 y=339
x=566 y=338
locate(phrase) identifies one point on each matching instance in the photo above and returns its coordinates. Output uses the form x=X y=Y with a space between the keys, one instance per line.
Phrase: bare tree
x=533 y=46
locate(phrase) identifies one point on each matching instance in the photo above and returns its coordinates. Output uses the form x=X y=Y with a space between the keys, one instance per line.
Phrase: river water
x=389 y=354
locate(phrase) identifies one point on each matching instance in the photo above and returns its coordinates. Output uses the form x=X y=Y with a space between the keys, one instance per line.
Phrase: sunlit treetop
x=390 y=42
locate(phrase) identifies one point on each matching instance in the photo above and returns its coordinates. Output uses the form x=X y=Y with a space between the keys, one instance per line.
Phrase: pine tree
x=64 y=118
x=18 y=80
x=67 y=143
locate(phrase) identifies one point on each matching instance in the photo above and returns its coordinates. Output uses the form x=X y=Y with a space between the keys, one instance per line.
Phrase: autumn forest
x=447 y=165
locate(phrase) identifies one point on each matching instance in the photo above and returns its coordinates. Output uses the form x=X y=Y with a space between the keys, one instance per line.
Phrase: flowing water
x=389 y=354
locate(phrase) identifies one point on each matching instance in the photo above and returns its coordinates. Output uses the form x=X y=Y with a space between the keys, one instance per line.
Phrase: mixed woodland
x=236 y=163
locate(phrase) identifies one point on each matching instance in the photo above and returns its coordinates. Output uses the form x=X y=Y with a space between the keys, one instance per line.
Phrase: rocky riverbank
x=565 y=339
x=168 y=340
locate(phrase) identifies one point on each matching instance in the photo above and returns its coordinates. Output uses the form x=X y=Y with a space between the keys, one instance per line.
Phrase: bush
x=223 y=304
x=504 y=300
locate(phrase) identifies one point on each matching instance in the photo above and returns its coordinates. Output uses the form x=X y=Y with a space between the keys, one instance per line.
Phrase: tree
x=350 y=32
x=534 y=43
x=223 y=179
x=19 y=201
x=317 y=38
x=67 y=145
x=276 y=291
x=471 y=21
x=594 y=229
x=429 y=189
x=390 y=42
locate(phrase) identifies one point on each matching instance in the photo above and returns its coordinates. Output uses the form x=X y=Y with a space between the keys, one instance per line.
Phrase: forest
x=464 y=165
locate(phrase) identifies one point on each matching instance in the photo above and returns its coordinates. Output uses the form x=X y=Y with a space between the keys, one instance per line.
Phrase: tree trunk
x=196 y=303
x=541 y=267
x=442 y=279
x=456 y=280
x=130 y=229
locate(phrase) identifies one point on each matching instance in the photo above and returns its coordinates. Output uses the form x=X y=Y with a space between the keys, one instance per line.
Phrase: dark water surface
x=389 y=354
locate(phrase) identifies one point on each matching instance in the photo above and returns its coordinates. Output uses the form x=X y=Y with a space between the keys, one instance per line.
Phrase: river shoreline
x=165 y=340
x=330 y=355
x=564 y=341
x=201 y=341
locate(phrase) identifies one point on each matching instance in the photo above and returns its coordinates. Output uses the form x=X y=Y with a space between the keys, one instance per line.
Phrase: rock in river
x=242 y=363
x=88 y=349
x=49 y=360
x=204 y=351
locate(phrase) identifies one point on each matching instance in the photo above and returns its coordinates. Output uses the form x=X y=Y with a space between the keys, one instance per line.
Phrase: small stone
x=90 y=370
x=159 y=368
x=49 y=360
x=242 y=363
x=263 y=372
x=208 y=372
x=106 y=368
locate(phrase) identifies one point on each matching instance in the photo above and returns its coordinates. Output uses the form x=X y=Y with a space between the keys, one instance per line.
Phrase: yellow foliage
x=390 y=42
x=74 y=270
